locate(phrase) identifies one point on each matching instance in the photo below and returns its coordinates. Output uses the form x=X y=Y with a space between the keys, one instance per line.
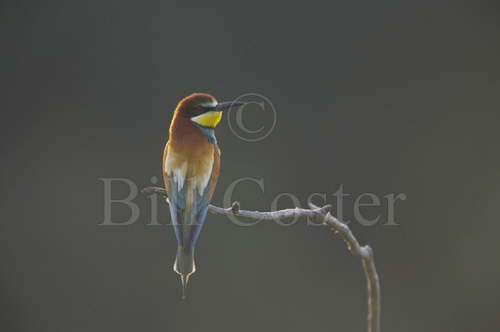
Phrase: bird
x=191 y=165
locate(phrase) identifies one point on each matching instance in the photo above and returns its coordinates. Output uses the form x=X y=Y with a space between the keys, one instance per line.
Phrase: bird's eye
x=196 y=110
x=205 y=107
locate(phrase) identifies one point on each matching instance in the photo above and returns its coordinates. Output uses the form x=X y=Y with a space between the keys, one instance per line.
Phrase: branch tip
x=154 y=190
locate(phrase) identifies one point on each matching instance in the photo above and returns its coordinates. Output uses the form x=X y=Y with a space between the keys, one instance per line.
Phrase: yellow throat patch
x=208 y=119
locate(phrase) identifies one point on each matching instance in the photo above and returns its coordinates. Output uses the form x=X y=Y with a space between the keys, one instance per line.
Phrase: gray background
x=380 y=96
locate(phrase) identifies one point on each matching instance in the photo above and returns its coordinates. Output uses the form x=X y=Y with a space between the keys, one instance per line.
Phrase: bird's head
x=204 y=110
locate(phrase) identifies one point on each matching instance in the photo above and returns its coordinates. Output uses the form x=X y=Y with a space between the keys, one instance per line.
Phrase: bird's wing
x=189 y=204
x=214 y=177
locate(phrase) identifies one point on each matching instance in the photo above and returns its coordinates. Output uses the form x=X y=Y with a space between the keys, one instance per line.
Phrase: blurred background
x=381 y=97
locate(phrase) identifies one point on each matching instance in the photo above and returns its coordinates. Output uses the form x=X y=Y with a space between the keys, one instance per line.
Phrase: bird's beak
x=228 y=105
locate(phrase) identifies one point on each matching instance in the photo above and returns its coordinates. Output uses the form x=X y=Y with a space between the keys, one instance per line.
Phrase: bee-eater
x=191 y=164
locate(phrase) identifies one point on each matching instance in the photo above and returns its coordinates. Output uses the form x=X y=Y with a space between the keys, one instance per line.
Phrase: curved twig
x=323 y=215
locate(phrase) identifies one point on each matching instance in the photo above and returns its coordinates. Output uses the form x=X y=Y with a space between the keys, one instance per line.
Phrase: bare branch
x=323 y=215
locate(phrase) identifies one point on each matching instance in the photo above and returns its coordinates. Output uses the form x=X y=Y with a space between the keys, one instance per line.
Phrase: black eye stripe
x=197 y=110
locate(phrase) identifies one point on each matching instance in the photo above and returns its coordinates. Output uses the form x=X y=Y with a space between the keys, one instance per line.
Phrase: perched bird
x=191 y=164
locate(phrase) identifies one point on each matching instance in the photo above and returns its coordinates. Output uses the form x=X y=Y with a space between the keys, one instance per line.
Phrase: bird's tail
x=184 y=266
